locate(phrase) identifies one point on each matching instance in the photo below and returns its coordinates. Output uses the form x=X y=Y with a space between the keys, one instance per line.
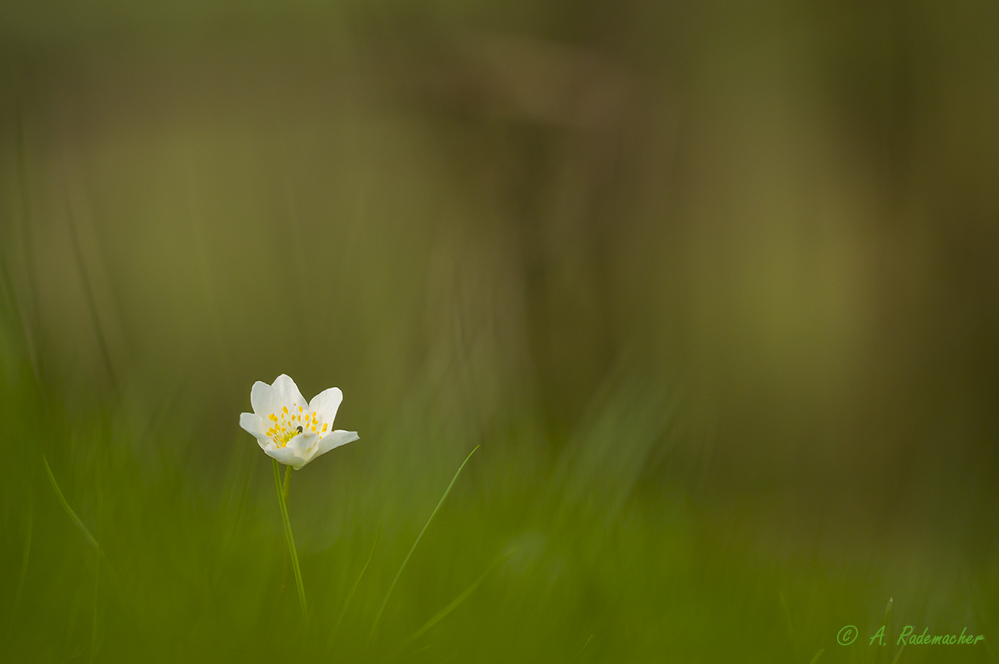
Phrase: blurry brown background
x=780 y=218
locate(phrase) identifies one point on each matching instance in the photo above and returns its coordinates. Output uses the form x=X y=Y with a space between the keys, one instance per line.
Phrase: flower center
x=286 y=426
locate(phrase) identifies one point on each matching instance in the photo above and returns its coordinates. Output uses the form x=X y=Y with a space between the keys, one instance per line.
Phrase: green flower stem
x=282 y=500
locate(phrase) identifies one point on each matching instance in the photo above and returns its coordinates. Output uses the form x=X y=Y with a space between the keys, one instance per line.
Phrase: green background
x=713 y=285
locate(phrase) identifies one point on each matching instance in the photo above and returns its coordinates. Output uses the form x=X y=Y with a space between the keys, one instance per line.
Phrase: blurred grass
x=555 y=575
x=711 y=286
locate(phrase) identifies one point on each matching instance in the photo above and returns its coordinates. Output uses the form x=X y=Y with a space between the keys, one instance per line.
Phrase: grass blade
x=454 y=604
x=88 y=292
x=350 y=596
x=69 y=510
x=580 y=653
x=24 y=568
x=83 y=529
x=94 y=643
x=787 y=616
x=378 y=617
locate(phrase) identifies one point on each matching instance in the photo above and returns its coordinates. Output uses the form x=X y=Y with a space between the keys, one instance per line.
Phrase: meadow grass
x=109 y=557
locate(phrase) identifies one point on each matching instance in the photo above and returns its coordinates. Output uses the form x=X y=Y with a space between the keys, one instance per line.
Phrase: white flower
x=289 y=429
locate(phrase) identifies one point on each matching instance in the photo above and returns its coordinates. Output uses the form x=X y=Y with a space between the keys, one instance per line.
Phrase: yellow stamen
x=287 y=425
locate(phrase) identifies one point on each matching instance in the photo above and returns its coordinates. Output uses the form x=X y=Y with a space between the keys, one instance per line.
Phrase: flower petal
x=251 y=423
x=286 y=455
x=288 y=391
x=304 y=447
x=254 y=425
x=304 y=444
x=326 y=403
x=264 y=399
x=336 y=439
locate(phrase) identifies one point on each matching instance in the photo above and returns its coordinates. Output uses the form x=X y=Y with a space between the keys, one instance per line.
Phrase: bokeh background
x=713 y=285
